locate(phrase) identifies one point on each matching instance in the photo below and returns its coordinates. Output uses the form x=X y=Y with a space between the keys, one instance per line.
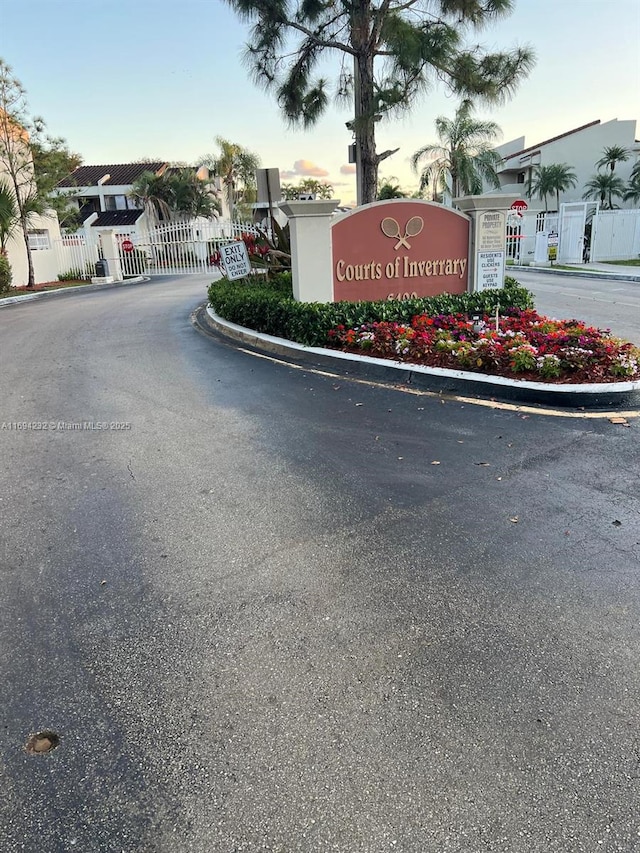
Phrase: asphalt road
x=607 y=303
x=283 y=611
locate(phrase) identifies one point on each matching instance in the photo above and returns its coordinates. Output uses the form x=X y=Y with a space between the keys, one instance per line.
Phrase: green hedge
x=268 y=306
x=5 y=274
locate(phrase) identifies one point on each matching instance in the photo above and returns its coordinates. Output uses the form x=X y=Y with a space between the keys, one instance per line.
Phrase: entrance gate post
x=488 y=237
x=309 y=224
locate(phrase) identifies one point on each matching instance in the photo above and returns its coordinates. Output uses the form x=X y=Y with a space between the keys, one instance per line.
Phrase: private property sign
x=235 y=260
x=399 y=249
x=490 y=237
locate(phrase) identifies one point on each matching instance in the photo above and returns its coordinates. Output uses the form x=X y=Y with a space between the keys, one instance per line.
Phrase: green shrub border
x=269 y=307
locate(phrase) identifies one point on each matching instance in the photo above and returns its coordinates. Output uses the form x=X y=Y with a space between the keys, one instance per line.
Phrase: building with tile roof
x=100 y=189
x=97 y=189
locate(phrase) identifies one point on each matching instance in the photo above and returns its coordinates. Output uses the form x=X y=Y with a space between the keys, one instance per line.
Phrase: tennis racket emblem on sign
x=391 y=228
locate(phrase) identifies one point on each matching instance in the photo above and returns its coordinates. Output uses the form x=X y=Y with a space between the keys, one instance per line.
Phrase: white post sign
x=235 y=260
x=490 y=270
x=490 y=248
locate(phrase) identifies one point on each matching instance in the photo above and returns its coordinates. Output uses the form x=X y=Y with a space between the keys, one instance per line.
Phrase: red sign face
x=127 y=246
x=399 y=249
x=520 y=206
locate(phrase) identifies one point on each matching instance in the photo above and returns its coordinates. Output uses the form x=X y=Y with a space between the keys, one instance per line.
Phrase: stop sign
x=127 y=246
x=519 y=206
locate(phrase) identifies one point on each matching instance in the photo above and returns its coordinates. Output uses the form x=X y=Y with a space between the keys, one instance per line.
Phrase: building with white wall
x=579 y=148
x=44 y=230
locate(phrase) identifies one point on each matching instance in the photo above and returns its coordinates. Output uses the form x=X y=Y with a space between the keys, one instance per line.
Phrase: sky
x=124 y=80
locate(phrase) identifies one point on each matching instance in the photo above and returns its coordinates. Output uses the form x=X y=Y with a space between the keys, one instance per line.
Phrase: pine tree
x=391 y=51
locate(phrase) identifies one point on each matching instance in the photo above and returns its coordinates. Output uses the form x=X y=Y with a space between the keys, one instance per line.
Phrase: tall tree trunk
x=25 y=233
x=455 y=186
x=365 y=134
x=364 y=124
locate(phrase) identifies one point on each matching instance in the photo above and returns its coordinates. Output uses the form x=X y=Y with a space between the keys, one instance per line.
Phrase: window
x=520 y=178
x=39 y=239
x=115 y=202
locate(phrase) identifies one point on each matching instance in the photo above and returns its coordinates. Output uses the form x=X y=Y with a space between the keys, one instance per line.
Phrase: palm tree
x=463 y=155
x=562 y=179
x=388 y=189
x=542 y=184
x=189 y=196
x=603 y=187
x=177 y=193
x=236 y=167
x=151 y=192
x=290 y=192
x=611 y=155
x=632 y=193
x=13 y=215
x=9 y=215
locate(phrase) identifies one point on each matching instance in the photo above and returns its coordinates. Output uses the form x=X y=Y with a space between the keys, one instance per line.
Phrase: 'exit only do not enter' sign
x=235 y=260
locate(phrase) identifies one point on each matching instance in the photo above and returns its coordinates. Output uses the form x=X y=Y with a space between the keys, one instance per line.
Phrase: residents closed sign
x=235 y=260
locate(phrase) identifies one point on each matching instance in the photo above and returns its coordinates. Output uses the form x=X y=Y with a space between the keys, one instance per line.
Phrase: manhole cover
x=42 y=742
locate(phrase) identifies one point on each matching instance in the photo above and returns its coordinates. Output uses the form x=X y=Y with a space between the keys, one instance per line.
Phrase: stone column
x=488 y=237
x=111 y=254
x=309 y=223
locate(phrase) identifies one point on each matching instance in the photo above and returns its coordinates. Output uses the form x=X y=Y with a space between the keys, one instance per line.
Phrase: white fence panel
x=172 y=248
x=182 y=247
x=615 y=235
x=76 y=256
x=573 y=217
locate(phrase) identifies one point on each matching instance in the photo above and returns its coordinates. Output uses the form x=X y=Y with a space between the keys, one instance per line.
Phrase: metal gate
x=179 y=248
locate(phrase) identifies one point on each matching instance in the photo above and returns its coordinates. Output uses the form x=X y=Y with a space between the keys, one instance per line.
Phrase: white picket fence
x=175 y=248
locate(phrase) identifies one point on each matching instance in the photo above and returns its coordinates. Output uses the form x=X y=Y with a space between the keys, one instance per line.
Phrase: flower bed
x=521 y=344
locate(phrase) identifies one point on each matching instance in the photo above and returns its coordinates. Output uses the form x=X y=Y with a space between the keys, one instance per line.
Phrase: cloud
x=303 y=169
x=348 y=169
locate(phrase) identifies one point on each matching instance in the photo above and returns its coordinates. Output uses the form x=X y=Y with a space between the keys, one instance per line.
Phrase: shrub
x=270 y=251
x=6 y=275
x=269 y=307
x=75 y=274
